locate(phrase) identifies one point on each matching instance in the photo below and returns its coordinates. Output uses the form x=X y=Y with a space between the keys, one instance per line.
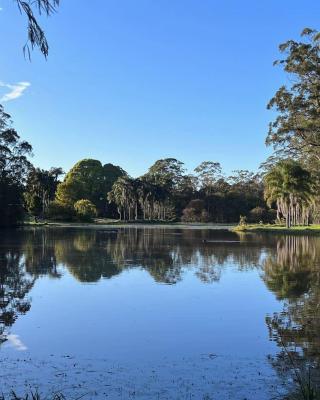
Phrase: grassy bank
x=314 y=229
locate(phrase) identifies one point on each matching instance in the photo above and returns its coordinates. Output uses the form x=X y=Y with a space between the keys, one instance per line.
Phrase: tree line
x=285 y=190
x=90 y=189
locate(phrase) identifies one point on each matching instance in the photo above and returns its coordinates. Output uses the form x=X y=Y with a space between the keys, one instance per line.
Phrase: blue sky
x=130 y=82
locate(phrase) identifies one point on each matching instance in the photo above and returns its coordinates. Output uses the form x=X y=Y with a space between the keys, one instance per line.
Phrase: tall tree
x=124 y=194
x=14 y=167
x=89 y=180
x=296 y=130
x=290 y=187
x=40 y=189
x=166 y=172
x=208 y=173
x=167 y=177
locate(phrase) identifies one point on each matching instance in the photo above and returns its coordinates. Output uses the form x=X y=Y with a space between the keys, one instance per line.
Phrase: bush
x=271 y=216
x=259 y=214
x=60 y=212
x=85 y=210
x=195 y=212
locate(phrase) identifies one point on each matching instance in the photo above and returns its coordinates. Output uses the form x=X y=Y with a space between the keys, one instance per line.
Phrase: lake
x=157 y=313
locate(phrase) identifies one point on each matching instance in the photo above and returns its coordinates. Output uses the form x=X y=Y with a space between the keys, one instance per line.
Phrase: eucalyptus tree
x=166 y=173
x=146 y=195
x=243 y=178
x=186 y=190
x=208 y=173
x=124 y=194
x=36 y=36
x=290 y=186
x=295 y=132
x=166 y=176
x=111 y=173
x=40 y=189
x=14 y=168
x=153 y=199
x=140 y=197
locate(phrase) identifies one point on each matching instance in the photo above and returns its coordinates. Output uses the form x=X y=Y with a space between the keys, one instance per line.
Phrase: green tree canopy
x=14 y=167
x=166 y=172
x=40 y=189
x=124 y=194
x=88 y=179
x=85 y=209
x=289 y=186
x=208 y=173
x=296 y=129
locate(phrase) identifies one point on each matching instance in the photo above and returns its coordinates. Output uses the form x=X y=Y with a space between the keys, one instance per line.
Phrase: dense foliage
x=166 y=192
x=296 y=130
x=88 y=180
x=85 y=210
x=292 y=176
x=14 y=167
x=290 y=186
x=40 y=190
x=286 y=191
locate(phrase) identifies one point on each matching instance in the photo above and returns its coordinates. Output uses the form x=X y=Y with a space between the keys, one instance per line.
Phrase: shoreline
x=122 y=224
x=113 y=224
x=280 y=229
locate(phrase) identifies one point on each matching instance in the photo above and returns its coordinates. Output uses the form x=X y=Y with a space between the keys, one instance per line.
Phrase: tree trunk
x=288 y=220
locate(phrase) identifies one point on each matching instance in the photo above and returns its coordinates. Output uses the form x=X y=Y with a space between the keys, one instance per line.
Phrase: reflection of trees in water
x=15 y=285
x=91 y=255
x=289 y=266
x=288 y=272
x=166 y=253
x=293 y=274
x=148 y=250
x=40 y=255
x=85 y=256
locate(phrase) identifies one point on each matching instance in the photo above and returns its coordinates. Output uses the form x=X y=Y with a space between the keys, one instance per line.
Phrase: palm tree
x=124 y=195
x=289 y=186
x=116 y=196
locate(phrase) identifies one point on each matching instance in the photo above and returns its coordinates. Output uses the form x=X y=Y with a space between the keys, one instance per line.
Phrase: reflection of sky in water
x=131 y=316
x=15 y=342
x=215 y=305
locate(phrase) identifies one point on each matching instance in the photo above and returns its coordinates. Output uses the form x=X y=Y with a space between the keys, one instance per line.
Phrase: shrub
x=195 y=212
x=259 y=214
x=60 y=212
x=85 y=210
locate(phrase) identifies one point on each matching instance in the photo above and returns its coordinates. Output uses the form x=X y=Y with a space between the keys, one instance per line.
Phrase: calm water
x=157 y=313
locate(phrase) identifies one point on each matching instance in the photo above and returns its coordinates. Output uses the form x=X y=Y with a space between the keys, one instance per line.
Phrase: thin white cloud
x=16 y=342
x=15 y=90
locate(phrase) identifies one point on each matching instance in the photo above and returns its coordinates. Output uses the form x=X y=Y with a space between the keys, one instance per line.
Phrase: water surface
x=156 y=313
